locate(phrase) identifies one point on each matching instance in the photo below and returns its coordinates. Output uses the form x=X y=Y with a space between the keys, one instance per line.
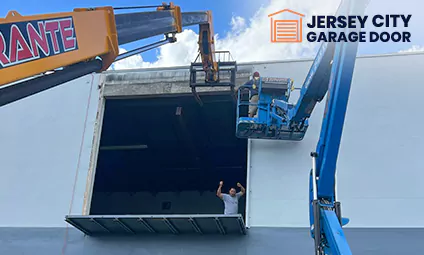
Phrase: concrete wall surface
x=51 y=241
x=379 y=168
x=40 y=143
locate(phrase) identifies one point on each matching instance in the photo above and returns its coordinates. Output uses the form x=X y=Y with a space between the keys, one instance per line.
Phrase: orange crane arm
x=30 y=45
x=73 y=44
x=207 y=48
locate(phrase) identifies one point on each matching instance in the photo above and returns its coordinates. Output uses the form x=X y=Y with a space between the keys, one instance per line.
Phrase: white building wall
x=379 y=169
x=40 y=139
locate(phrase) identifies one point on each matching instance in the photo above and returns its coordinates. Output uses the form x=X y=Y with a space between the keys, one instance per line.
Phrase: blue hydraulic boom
x=276 y=118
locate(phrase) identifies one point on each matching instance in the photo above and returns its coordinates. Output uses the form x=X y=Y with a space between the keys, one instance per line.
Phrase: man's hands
x=218 y=191
x=243 y=190
x=221 y=183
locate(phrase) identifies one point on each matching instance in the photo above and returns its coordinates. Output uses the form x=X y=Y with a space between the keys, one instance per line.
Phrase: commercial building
x=149 y=148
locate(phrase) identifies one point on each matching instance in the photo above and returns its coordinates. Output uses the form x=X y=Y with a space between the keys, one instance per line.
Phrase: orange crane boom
x=86 y=40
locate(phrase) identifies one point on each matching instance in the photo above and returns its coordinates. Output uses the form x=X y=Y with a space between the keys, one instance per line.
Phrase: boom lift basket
x=225 y=74
x=270 y=121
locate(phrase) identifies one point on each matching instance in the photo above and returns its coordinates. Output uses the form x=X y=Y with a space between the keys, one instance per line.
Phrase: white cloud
x=248 y=40
x=135 y=61
x=414 y=48
x=238 y=24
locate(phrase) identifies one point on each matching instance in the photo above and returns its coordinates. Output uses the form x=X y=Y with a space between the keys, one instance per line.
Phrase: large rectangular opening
x=167 y=155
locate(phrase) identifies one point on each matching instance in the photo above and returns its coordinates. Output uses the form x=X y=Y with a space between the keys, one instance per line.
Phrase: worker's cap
x=255 y=74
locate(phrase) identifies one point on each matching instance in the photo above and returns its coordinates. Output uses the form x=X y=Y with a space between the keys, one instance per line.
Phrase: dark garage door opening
x=166 y=155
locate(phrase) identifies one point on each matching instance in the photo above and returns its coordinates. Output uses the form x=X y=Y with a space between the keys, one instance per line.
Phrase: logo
x=21 y=42
x=290 y=30
x=286 y=30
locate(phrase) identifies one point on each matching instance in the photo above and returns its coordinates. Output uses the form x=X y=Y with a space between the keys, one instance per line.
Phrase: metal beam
x=194 y=18
x=145 y=48
x=241 y=225
x=140 y=25
x=146 y=225
x=220 y=226
x=77 y=226
x=200 y=223
x=170 y=226
x=195 y=225
x=99 y=224
x=124 y=226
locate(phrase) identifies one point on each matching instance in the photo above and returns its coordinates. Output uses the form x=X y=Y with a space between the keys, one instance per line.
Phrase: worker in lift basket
x=254 y=97
x=230 y=200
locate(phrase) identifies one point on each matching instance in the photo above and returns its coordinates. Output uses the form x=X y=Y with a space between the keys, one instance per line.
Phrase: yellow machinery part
x=207 y=47
x=95 y=33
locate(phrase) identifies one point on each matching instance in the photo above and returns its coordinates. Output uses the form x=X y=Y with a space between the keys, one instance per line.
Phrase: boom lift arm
x=72 y=44
x=325 y=212
x=331 y=72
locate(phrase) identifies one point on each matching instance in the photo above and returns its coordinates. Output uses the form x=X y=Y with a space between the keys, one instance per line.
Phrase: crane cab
x=269 y=122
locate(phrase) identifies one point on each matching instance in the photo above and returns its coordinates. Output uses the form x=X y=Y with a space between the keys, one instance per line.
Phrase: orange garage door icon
x=283 y=30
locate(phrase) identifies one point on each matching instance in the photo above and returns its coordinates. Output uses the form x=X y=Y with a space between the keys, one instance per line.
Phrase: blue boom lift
x=276 y=118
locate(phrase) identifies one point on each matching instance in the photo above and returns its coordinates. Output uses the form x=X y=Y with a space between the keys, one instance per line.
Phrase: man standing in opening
x=230 y=200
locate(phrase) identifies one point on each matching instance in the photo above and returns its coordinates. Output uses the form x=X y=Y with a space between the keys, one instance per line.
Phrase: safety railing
x=220 y=56
x=247 y=102
x=223 y=56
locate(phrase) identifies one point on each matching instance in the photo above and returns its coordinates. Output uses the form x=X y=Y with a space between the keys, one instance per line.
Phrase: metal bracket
x=169 y=38
x=124 y=226
x=170 y=226
x=146 y=225
x=195 y=225
x=223 y=76
x=220 y=226
x=100 y=225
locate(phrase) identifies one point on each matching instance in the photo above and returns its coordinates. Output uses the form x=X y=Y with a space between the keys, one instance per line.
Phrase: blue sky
x=224 y=10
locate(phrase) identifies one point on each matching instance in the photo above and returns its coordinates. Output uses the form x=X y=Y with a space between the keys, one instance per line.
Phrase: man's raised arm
x=218 y=192
x=243 y=190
